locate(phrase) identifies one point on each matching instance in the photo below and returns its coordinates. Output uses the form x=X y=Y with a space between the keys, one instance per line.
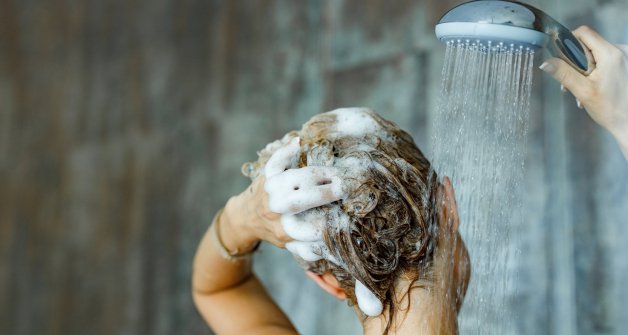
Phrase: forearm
x=212 y=271
x=225 y=291
x=621 y=136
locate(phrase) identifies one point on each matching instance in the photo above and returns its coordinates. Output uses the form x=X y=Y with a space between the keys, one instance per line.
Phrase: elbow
x=200 y=287
x=199 y=292
x=197 y=297
x=201 y=295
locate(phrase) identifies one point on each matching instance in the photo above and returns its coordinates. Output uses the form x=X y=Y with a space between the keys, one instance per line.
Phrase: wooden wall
x=123 y=125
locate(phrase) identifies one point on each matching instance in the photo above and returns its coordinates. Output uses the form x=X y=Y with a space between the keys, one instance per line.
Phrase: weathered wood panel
x=123 y=125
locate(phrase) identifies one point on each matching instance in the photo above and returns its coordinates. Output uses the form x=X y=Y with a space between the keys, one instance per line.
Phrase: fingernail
x=547 y=67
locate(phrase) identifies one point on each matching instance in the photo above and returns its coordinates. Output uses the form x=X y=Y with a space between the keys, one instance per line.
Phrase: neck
x=429 y=312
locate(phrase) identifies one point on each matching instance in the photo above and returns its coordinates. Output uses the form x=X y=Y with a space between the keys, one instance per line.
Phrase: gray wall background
x=123 y=126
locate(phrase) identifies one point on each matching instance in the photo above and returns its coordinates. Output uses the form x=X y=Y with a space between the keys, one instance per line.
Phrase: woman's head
x=386 y=226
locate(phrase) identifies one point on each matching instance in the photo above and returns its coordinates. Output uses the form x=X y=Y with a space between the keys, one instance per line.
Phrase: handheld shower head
x=513 y=22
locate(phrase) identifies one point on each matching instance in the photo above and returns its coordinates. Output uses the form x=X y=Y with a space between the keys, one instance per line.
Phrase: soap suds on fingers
x=297 y=190
x=367 y=301
x=306 y=226
x=309 y=251
x=284 y=158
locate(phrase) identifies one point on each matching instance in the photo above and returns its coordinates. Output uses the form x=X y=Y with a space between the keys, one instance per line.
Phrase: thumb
x=573 y=80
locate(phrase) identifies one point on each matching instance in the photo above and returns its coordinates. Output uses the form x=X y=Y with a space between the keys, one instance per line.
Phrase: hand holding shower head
x=513 y=22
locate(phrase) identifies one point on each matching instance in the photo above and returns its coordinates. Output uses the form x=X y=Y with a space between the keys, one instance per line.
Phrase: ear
x=329 y=283
x=448 y=206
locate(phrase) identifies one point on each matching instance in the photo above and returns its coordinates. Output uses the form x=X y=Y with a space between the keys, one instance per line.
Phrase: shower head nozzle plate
x=487 y=32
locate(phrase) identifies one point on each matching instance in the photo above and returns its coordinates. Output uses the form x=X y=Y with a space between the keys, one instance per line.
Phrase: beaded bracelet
x=226 y=254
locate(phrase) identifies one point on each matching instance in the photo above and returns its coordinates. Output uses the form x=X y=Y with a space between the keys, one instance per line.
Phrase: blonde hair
x=392 y=218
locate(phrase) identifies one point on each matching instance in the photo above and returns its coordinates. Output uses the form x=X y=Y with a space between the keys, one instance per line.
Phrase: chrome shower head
x=513 y=22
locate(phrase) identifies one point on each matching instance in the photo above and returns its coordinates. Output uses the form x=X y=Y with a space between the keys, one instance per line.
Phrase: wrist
x=233 y=231
x=618 y=124
x=620 y=133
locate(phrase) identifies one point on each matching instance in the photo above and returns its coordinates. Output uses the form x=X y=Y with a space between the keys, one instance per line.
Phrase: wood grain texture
x=123 y=126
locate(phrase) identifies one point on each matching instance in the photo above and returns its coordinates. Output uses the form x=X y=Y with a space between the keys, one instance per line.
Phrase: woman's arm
x=604 y=92
x=225 y=291
x=227 y=294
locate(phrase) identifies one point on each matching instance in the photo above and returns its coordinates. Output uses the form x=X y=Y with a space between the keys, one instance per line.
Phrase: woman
x=354 y=199
x=604 y=92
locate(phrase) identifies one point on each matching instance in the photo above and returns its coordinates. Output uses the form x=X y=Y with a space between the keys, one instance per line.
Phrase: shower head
x=516 y=23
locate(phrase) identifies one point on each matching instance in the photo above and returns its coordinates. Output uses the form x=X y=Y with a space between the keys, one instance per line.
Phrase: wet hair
x=392 y=229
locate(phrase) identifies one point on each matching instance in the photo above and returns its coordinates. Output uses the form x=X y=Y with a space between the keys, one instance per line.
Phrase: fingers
x=574 y=81
x=309 y=251
x=367 y=300
x=283 y=158
x=312 y=251
x=307 y=227
x=297 y=190
x=304 y=199
x=592 y=40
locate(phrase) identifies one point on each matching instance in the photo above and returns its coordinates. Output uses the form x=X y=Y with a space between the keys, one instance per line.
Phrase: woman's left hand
x=255 y=214
x=247 y=219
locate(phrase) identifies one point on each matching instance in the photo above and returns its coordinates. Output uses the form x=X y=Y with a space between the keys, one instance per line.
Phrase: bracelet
x=226 y=254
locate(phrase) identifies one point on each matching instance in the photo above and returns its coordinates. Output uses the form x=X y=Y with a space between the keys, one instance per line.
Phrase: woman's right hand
x=604 y=92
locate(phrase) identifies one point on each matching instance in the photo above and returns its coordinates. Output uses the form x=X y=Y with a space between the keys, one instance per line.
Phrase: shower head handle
x=510 y=19
x=561 y=42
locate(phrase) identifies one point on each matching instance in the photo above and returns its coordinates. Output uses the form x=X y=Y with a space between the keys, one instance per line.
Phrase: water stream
x=479 y=136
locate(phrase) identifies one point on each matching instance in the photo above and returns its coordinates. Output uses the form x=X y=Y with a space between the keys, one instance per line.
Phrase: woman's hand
x=247 y=220
x=256 y=213
x=604 y=92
